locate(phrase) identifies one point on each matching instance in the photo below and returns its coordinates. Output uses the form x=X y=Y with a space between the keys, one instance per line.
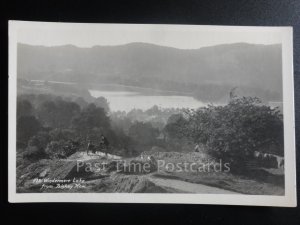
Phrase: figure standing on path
x=104 y=144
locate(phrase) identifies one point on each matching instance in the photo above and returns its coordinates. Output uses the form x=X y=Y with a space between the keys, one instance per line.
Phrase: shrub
x=33 y=153
x=62 y=134
x=60 y=149
x=40 y=140
x=237 y=129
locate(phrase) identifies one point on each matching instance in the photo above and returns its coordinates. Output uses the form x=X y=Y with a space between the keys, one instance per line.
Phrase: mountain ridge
x=245 y=65
x=146 y=43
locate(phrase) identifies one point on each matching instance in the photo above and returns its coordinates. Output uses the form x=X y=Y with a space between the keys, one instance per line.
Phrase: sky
x=177 y=36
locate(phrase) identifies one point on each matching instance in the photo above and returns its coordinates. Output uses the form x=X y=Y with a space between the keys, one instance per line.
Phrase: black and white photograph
x=151 y=113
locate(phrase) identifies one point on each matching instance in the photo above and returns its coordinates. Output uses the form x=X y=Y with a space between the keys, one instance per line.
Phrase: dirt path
x=188 y=187
x=83 y=156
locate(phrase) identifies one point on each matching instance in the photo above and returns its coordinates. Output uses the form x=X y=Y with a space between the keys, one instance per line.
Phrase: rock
x=44 y=173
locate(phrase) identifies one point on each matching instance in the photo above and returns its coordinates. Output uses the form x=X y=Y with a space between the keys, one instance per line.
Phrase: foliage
x=63 y=122
x=237 y=129
x=176 y=126
x=40 y=140
x=155 y=115
x=62 y=134
x=120 y=122
x=81 y=102
x=143 y=133
x=24 y=108
x=234 y=130
x=91 y=117
x=60 y=149
x=33 y=153
x=27 y=126
x=57 y=113
x=102 y=103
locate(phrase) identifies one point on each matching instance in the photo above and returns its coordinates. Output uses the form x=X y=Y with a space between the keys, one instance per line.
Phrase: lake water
x=126 y=101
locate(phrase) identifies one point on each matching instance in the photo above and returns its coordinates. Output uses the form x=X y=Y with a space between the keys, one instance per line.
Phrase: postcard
x=144 y=113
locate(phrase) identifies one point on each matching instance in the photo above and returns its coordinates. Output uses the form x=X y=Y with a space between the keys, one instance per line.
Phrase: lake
x=126 y=100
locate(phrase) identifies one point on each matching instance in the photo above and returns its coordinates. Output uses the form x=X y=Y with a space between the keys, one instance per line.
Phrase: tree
x=33 y=153
x=36 y=146
x=62 y=134
x=154 y=110
x=176 y=126
x=176 y=133
x=102 y=103
x=81 y=102
x=65 y=112
x=27 y=126
x=58 y=113
x=46 y=112
x=91 y=117
x=143 y=133
x=40 y=140
x=123 y=123
x=119 y=139
x=24 y=108
x=237 y=129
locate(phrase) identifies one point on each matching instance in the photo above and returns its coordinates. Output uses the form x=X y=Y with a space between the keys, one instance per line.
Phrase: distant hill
x=208 y=72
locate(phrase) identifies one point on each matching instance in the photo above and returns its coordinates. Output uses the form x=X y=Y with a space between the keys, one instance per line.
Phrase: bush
x=62 y=134
x=40 y=140
x=33 y=153
x=60 y=149
x=236 y=130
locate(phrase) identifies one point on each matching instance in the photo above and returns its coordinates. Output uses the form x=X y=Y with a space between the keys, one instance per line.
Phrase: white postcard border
x=288 y=200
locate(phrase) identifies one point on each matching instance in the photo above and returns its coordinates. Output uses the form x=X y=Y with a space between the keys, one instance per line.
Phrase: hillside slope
x=254 y=68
